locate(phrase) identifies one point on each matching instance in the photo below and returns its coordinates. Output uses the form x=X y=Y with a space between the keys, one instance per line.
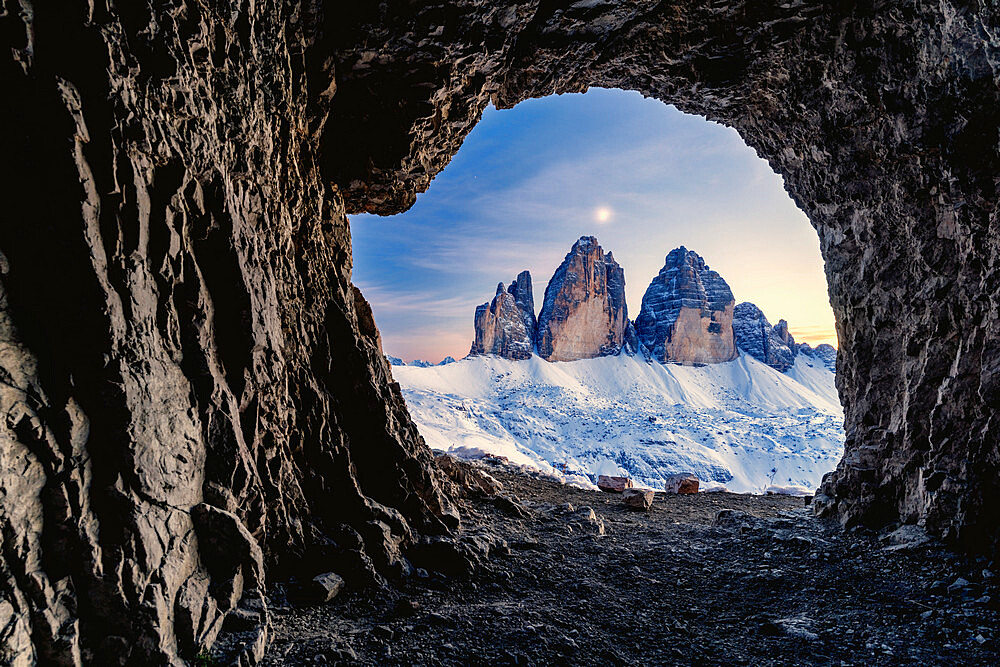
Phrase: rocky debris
x=687 y=313
x=641 y=499
x=905 y=538
x=584 y=313
x=468 y=476
x=754 y=335
x=505 y=326
x=681 y=483
x=793 y=589
x=613 y=484
x=324 y=587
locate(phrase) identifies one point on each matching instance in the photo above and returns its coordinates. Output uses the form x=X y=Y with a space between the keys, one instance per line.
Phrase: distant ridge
x=688 y=316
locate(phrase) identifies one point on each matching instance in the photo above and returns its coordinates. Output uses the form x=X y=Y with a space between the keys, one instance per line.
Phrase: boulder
x=641 y=499
x=687 y=313
x=324 y=587
x=505 y=327
x=613 y=484
x=681 y=483
x=584 y=313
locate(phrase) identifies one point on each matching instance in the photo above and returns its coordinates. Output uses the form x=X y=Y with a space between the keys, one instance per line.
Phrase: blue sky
x=639 y=175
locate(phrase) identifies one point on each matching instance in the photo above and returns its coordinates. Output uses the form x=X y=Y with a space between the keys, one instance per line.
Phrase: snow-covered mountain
x=739 y=424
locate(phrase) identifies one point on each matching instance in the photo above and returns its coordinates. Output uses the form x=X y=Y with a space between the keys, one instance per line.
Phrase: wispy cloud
x=527 y=183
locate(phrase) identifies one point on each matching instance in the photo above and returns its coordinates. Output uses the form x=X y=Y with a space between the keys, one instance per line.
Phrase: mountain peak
x=584 y=313
x=687 y=312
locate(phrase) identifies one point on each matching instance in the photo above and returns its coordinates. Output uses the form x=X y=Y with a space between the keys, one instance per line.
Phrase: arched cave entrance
x=643 y=178
x=193 y=389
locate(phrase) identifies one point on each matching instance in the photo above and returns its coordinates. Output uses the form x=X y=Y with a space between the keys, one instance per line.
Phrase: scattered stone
x=681 y=483
x=613 y=484
x=324 y=587
x=641 y=499
x=906 y=538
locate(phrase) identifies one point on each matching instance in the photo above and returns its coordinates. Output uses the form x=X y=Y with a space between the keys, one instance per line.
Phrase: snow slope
x=741 y=424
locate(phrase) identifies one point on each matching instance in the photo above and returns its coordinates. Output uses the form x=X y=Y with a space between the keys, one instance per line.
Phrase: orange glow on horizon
x=814 y=335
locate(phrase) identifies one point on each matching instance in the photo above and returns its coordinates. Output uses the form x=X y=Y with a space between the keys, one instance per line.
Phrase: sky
x=639 y=175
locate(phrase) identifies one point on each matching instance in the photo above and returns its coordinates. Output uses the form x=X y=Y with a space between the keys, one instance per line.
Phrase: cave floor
x=773 y=586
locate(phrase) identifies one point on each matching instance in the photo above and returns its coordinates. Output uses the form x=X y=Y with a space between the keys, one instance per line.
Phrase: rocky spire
x=754 y=335
x=506 y=326
x=584 y=313
x=687 y=313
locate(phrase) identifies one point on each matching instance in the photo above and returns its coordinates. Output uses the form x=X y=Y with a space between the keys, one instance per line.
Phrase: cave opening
x=643 y=181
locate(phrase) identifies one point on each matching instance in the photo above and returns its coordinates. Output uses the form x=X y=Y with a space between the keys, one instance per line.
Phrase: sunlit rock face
x=754 y=335
x=687 y=313
x=584 y=313
x=505 y=326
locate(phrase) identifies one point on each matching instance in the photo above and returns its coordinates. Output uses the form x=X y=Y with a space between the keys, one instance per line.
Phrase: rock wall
x=192 y=389
x=505 y=327
x=754 y=335
x=584 y=313
x=881 y=117
x=687 y=313
x=179 y=330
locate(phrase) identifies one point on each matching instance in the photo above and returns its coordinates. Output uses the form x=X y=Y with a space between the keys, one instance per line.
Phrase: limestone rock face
x=754 y=335
x=584 y=313
x=506 y=326
x=194 y=395
x=178 y=324
x=687 y=313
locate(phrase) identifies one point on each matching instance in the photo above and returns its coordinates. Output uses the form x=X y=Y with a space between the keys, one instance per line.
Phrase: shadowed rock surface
x=755 y=336
x=578 y=577
x=584 y=313
x=505 y=326
x=178 y=325
x=687 y=313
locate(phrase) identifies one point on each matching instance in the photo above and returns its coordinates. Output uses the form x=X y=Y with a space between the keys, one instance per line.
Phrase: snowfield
x=740 y=425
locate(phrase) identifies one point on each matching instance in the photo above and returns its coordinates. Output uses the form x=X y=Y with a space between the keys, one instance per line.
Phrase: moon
x=602 y=214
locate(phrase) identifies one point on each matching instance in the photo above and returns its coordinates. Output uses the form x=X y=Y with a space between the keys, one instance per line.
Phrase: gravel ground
x=570 y=576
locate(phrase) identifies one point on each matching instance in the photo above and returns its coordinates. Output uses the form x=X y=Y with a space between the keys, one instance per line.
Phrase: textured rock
x=687 y=313
x=395 y=361
x=506 y=326
x=681 y=483
x=613 y=484
x=176 y=306
x=640 y=499
x=324 y=587
x=755 y=336
x=178 y=327
x=825 y=353
x=447 y=360
x=584 y=313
